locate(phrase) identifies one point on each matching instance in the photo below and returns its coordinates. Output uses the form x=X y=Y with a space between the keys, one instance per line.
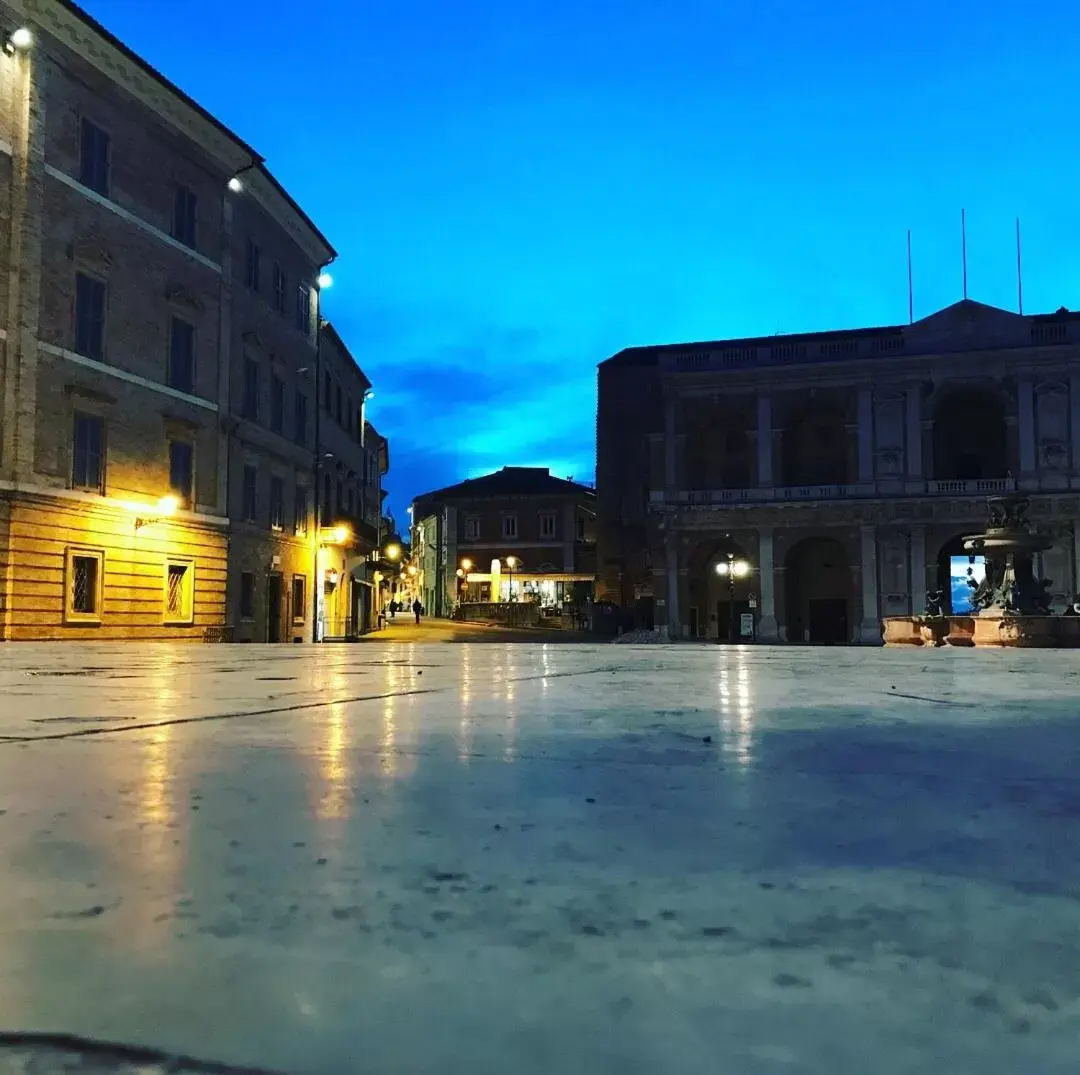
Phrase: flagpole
x=1019 y=275
x=963 y=246
x=910 y=293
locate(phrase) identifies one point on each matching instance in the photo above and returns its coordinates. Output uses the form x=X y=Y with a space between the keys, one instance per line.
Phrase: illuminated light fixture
x=738 y=569
x=164 y=508
x=324 y=281
x=393 y=552
x=412 y=569
x=369 y=394
x=235 y=185
x=19 y=40
x=466 y=564
x=341 y=534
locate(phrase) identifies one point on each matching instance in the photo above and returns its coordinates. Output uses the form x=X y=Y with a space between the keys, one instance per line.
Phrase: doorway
x=729 y=621
x=819 y=593
x=273 y=608
x=828 y=623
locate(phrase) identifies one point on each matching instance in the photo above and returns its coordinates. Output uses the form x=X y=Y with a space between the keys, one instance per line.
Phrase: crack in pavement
x=7 y=740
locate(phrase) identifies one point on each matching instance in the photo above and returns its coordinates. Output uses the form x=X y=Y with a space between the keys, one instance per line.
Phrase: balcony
x=897 y=487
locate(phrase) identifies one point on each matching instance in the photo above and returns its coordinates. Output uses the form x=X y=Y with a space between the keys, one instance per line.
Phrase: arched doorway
x=720 y=598
x=970 y=438
x=815 y=447
x=820 y=592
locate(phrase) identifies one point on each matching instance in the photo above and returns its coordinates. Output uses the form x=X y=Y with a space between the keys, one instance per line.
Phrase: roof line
x=257 y=158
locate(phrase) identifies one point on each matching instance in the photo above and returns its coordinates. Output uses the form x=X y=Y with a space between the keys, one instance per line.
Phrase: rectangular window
x=340 y=499
x=89 y=316
x=327 y=504
x=547 y=524
x=350 y=502
x=279 y=288
x=277 y=504
x=250 y=490
x=247 y=595
x=179 y=591
x=88 y=453
x=349 y=415
x=472 y=527
x=300 y=418
x=337 y=401
x=277 y=404
x=250 y=402
x=300 y=511
x=303 y=309
x=182 y=471
x=580 y=528
x=185 y=208
x=509 y=526
x=182 y=356
x=84 y=571
x=251 y=265
x=299 y=598
x=94 y=157
x=327 y=390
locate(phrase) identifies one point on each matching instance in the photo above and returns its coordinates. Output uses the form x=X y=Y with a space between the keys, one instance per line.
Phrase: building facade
x=840 y=469
x=517 y=534
x=352 y=460
x=159 y=329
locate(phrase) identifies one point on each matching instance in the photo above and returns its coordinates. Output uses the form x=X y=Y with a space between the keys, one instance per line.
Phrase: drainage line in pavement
x=115 y=1053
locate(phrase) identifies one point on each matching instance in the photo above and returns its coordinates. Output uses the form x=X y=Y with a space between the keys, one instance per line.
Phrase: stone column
x=764 y=440
x=674 y=627
x=766 y=626
x=1025 y=420
x=913 y=438
x=870 y=628
x=866 y=435
x=917 y=564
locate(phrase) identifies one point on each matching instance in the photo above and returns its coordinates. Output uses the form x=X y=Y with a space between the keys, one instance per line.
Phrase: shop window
x=179 y=591
x=84 y=572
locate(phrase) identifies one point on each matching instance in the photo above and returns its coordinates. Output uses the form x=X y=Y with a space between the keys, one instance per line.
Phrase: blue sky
x=519 y=189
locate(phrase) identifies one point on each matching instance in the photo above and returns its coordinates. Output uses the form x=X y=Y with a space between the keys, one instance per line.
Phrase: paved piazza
x=529 y=859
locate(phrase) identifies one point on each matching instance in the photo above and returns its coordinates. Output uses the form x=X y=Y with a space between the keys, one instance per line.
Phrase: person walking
x=417 y=609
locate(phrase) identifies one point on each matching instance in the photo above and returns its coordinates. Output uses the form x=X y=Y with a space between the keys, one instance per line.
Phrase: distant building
x=519 y=534
x=840 y=468
x=352 y=459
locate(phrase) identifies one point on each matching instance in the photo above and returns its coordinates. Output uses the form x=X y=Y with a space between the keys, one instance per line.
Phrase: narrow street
x=403 y=629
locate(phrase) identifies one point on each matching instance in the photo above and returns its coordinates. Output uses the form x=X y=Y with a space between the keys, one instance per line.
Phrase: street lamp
x=393 y=552
x=732 y=569
x=511 y=563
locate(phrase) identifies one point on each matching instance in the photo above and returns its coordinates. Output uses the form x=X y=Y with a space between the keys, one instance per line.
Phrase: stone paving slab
x=413 y=858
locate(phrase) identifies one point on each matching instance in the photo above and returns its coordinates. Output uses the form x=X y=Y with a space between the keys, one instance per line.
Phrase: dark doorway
x=828 y=621
x=970 y=437
x=695 y=627
x=273 y=608
x=729 y=620
x=819 y=592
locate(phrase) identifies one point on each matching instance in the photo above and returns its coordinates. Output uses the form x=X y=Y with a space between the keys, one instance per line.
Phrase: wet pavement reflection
x=536 y=858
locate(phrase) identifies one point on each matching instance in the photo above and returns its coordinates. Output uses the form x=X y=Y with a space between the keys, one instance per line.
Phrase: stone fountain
x=1011 y=607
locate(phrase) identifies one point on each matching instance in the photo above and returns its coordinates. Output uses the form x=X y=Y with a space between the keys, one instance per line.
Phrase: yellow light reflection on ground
x=334 y=799
x=736 y=708
x=465 y=721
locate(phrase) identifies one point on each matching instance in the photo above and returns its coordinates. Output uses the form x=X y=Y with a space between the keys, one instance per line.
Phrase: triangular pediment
x=968 y=318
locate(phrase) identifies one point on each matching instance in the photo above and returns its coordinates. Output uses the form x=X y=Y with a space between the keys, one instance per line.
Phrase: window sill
x=79 y=619
x=182 y=622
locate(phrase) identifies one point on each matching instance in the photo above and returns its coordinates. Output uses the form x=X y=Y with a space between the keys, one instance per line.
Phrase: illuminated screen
x=959 y=590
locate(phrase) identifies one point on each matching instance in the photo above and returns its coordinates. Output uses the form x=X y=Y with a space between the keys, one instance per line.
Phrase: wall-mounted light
x=235 y=184
x=18 y=40
x=164 y=508
x=369 y=394
x=324 y=281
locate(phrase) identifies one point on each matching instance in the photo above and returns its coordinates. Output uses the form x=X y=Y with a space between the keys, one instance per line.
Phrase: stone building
x=158 y=313
x=840 y=468
x=520 y=533
x=352 y=459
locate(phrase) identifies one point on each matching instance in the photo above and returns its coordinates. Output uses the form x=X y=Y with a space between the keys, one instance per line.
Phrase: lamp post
x=511 y=563
x=463 y=574
x=731 y=569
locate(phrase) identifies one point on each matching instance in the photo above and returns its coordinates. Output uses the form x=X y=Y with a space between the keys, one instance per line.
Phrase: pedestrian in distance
x=417 y=609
